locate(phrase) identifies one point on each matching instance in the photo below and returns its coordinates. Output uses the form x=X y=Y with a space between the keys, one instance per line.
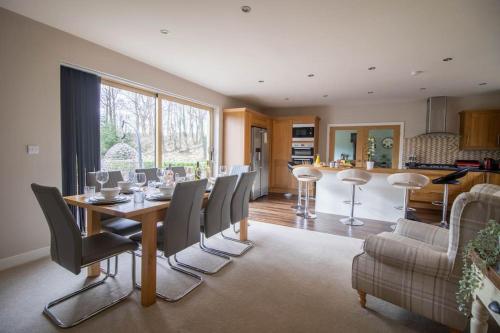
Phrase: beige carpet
x=292 y=281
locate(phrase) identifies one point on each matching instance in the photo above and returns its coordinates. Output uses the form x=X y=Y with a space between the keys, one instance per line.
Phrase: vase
x=369 y=165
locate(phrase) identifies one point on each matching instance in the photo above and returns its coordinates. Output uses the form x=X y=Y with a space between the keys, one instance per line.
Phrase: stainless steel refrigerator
x=260 y=161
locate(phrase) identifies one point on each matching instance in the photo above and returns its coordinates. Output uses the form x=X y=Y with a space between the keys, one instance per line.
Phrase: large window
x=186 y=133
x=131 y=137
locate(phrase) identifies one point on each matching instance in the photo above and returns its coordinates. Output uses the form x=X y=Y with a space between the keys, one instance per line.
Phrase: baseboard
x=23 y=258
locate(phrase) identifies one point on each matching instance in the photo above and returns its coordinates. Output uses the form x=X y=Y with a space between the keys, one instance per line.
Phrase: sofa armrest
x=423 y=232
x=407 y=256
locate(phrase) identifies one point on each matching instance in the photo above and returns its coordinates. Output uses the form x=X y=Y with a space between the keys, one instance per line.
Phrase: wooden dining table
x=148 y=214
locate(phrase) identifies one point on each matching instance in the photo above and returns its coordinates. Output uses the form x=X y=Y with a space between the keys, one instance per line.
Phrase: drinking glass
x=222 y=170
x=189 y=172
x=102 y=177
x=89 y=192
x=151 y=187
x=160 y=173
x=140 y=179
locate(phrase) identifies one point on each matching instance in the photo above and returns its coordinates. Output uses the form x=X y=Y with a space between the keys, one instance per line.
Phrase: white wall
x=30 y=56
x=412 y=113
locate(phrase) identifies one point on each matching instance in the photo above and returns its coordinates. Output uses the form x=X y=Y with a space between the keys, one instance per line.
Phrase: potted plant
x=370 y=153
x=480 y=258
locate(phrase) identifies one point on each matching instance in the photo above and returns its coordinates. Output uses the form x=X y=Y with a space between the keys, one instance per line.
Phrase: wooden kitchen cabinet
x=281 y=179
x=480 y=130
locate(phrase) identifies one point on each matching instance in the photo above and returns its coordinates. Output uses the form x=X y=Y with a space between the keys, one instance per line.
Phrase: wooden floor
x=276 y=209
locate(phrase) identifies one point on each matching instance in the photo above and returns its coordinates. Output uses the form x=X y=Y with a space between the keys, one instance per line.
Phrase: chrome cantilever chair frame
x=60 y=300
x=180 y=270
x=249 y=244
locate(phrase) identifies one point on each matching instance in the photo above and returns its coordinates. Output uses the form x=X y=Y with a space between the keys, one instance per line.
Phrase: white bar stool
x=407 y=181
x=306 y=175
x=355 y=177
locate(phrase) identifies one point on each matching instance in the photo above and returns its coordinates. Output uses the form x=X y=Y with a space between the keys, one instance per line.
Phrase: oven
x=300 y=150
x=303 y=160
x=303 y=132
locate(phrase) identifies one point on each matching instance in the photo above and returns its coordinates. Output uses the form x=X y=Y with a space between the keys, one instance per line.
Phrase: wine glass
x=189 y=172
x=102 y=177
x=222 y=170
x=140 y=179
x=160 y=173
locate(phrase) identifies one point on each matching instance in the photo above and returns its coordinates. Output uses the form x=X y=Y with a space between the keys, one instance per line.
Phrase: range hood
x=436 y=115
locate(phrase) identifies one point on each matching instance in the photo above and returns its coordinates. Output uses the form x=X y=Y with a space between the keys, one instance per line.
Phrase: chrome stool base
x=309 y=216
x=351 y=221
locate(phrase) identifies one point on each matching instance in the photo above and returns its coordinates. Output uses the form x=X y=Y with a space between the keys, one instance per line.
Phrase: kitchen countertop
x=391 y=170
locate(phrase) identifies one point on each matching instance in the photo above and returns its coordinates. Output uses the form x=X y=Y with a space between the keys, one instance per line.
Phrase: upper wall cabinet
x=480 y=130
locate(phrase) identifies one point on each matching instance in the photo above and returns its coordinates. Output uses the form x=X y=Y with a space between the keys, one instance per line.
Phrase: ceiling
x=215 y=44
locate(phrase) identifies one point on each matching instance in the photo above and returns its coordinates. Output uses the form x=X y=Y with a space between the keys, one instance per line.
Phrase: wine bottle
x=197 y=171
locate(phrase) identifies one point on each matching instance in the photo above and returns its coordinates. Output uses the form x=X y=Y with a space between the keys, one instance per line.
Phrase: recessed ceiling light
x=325 y=96
x=483 y=83
x=246 y=9
x=372 y=68
x=164 y=31
x=415 y=73
x=261 y=81
x=287 y=99
x=310 y=75
x=371 y=92
x=423 y=89
x=447 y=59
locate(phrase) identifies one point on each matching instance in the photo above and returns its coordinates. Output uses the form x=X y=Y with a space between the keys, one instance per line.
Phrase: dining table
x=148 y=213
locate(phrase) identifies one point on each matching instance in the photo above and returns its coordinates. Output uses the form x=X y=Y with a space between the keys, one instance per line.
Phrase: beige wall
x=412 y=113
x=30 y=56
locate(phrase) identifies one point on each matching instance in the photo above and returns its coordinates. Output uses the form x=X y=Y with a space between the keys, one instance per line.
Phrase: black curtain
x=80 y=132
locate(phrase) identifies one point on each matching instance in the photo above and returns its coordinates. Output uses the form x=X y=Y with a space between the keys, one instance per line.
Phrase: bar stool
x=353 y=177
x=407 y=181
x=306 y=175
x=446 y=180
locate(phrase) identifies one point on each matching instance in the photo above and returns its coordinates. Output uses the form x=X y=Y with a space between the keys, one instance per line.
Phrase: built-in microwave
x=303 y=132
x=300 y=150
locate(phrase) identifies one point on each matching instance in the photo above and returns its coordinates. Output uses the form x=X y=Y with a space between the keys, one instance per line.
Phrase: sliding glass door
x=351 y=143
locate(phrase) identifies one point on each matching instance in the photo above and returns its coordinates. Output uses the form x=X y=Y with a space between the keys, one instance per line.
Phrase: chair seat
x=121 y=226
x=103 y=245
x=159 y=236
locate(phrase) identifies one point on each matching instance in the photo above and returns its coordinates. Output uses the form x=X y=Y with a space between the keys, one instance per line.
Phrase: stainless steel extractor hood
x=436 y=115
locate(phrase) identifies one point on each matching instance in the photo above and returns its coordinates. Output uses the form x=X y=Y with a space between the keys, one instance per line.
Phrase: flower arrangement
x=370 y=149
x=487 y=248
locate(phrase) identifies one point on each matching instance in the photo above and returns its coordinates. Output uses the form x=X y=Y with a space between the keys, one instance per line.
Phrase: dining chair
x=116 y=225
x=239 y=211
x=150 y=174
x=214 y=218
x=73 y=252
x=180 y=228
x=238 y=170
x=179 y=170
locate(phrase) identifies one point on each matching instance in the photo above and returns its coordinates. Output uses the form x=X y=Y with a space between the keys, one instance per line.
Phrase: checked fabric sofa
x=418 y=266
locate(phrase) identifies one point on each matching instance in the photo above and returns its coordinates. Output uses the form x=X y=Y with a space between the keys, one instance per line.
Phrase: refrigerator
x=260 y=161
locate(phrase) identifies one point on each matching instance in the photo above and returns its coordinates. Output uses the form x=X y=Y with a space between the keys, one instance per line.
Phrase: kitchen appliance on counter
x=489 y=164
x=303 y=132
x=468 y=164
x=302 y=149
x=260 y=162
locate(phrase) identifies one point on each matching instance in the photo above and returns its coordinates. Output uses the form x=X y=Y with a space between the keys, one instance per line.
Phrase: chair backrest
x=114 y=178
x=354 y=176
x=470 y=213
x=181 y=227
x=217 y=213
x=65 y=237
x=239 y=169
x=486 y=188
x=307 y=172
x=241 y=196
x=150 y=174
x=179 y=170
x=408 y=180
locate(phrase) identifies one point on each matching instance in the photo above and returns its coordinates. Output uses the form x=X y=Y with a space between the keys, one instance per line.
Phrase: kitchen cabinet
x=480 y=130
x=237 y=127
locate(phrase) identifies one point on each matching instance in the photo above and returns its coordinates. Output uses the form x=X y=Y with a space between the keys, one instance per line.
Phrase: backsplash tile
x=441 y=148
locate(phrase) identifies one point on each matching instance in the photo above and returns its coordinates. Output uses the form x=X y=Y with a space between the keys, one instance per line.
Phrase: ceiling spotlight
x=371 y=92
x=261 y=81
x=246 y=9
x=483 y=83
x=325 y=96
x=310 y=75
x=415 y=73
x=287 y=98
x=372 y=68
x=164 y=31
x=447 y=59
x=423 y=89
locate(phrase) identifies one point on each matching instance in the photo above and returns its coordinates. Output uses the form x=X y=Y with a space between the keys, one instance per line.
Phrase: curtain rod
x=133 y=83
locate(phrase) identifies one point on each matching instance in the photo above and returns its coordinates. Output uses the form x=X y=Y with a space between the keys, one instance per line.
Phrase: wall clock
x=387 y=143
